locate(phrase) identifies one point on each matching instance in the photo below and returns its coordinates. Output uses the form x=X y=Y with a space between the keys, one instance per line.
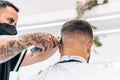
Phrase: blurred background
x=49 y=15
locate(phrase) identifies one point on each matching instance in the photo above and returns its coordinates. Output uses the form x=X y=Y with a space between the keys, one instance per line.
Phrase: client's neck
x=72 y=51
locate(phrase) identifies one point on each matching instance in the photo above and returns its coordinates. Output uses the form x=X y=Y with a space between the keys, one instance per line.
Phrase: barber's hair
x=78 y=26
x=4 y=4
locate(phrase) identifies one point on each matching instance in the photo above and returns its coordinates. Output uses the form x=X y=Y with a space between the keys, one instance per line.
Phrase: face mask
x=6 y=29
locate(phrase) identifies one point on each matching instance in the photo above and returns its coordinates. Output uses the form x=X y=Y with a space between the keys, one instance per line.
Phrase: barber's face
x=8 y=15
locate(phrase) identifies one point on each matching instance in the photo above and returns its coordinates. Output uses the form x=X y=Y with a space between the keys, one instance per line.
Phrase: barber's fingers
x=55 y=41
x=48 y=41
x=51 y=41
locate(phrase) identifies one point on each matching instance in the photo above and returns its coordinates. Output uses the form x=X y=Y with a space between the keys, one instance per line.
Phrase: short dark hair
x=4 y=4
x=80 y=26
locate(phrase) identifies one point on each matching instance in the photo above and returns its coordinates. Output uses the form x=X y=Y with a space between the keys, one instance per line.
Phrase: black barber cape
x=8 y=66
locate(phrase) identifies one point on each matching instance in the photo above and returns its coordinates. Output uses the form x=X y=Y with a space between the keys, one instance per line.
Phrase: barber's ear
x=89 y=46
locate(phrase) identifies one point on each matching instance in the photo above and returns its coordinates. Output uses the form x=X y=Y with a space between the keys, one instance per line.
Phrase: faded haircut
x=77 y=26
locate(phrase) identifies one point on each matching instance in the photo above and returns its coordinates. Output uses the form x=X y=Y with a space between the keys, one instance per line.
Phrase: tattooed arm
x=46 y=42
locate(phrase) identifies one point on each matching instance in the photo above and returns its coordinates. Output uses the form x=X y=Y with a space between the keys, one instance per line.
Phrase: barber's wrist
x=34 y=50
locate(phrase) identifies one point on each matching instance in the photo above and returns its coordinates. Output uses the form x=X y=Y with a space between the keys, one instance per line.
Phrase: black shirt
x=8 y=66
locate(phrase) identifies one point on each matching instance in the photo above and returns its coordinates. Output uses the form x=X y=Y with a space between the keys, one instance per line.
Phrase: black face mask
x=6 y=29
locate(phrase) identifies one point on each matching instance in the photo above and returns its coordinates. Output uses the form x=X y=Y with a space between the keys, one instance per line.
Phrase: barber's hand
x=45 y=41
x=48 y=41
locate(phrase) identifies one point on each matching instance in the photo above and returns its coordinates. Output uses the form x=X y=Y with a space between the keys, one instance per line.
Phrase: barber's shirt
x=74 y=68
x=8 y=66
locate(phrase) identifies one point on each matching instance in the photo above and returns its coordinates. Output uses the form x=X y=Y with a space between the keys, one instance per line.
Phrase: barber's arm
x=45 y=45
x=41 y=56
x=40 y=46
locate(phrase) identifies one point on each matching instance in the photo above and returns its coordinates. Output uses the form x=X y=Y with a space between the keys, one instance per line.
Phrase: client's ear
x=60 y=45
x=60 y=48
x=90 y=43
